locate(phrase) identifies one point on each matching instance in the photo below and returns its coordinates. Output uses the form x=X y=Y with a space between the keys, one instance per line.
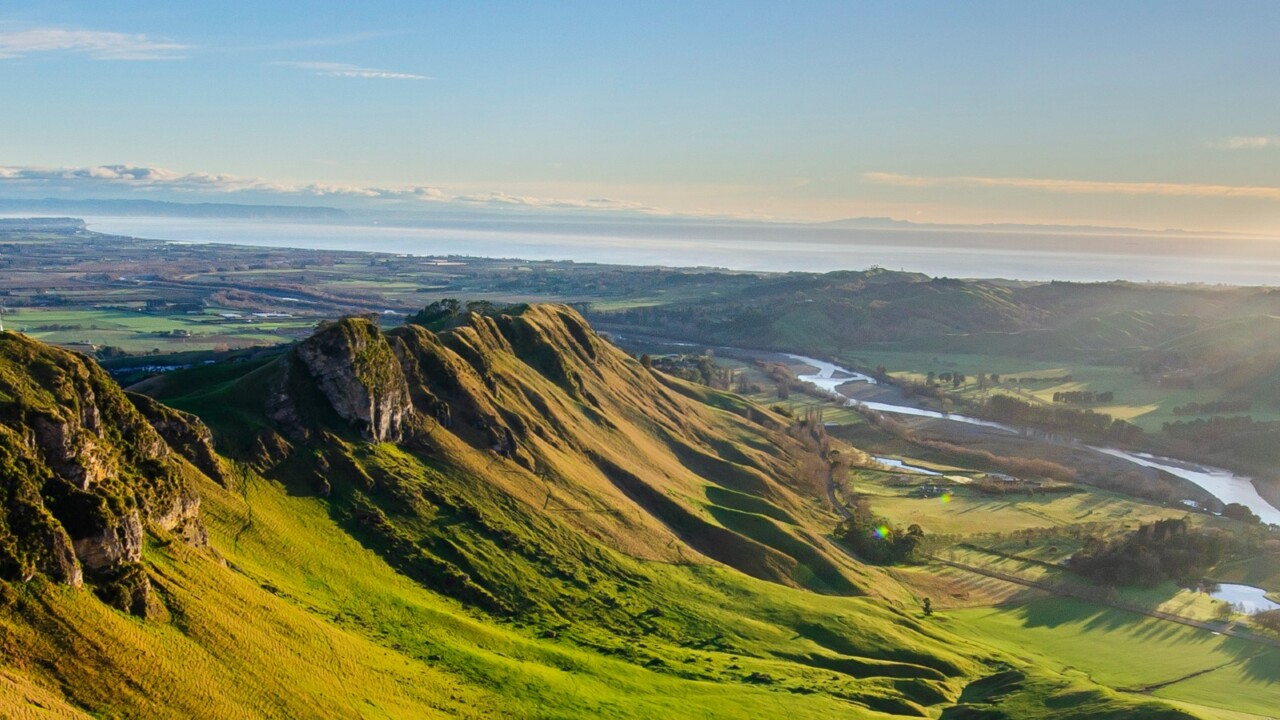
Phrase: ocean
x=1021 y=255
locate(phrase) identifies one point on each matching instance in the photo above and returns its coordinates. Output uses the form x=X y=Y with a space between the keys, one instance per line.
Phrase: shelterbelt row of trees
x=1086 y=423
x=1232 y=441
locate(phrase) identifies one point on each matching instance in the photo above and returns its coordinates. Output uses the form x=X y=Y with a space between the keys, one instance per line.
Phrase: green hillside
x=510 y=518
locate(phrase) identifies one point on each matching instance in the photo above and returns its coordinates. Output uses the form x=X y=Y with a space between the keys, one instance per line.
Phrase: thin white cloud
x=331 y=69
x=314 y=42
x=96 y=44
x=1247 y=142
x=1077 y=186
x=146 y=179
x=500 y=198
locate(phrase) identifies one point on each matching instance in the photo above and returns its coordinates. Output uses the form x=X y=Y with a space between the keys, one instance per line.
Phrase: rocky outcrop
x=359 y=374
x=449 y=390
x=180 y=515
x=70 y=449
x=395 y=386
x=116 y=544
x=84 y=474
x=185 y=434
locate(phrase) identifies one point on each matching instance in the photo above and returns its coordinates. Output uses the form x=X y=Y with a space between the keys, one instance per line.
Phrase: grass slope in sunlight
x=556 y=532
x=1127 y=651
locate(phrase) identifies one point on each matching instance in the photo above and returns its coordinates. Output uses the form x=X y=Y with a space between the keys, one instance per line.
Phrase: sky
x=1137 y=114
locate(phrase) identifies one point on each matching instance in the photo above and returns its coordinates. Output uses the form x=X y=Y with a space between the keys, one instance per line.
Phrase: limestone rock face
x=71 y=450
x=355 y=368
x=185 y=434
x=83 y=474
x=181 y=516
x=117 y=544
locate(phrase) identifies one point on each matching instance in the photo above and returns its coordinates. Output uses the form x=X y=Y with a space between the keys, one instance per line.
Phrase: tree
x=928 y=606
x=1223 y=612
x=646 y=361
x=1236 y=511
x=1169 y=549
x=437 y=315
x=874 y=539
x=1268 y=619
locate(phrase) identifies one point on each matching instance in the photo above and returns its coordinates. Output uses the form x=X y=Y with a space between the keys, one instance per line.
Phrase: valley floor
x=996 y=574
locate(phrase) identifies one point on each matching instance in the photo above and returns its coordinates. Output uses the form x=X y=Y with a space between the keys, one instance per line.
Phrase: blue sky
x=1149 y=114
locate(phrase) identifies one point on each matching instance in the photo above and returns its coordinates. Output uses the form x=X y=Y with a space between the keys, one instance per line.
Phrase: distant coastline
x=755 y=247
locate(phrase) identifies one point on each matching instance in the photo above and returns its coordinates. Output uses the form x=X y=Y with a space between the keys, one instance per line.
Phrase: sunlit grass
x=1125 y=650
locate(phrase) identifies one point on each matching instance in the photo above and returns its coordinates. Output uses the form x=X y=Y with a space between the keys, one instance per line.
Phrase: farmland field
x=1139 y=652
x=138 y=331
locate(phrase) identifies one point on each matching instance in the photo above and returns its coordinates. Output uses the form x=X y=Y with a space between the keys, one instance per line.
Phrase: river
x=896 y=463
x=1222 y=484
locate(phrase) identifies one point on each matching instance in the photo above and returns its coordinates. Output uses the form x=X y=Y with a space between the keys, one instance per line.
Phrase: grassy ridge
x=539 y=544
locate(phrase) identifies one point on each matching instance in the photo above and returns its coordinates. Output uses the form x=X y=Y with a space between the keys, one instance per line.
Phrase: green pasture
x=1134 y=652
x=137 y=331
x=967 y=511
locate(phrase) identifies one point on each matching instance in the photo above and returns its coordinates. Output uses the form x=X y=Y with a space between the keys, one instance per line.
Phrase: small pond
x=1247 y=597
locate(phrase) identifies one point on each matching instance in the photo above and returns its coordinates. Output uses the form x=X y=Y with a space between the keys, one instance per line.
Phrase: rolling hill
x=507 y=518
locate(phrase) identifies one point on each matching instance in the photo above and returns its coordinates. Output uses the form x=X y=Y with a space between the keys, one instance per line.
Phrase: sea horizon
x=1025 y=256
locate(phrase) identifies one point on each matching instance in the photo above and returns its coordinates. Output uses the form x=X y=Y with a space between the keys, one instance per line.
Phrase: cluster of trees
x=1215 y=433
x=702 y=369
x=1013 y=465
x=1079 y=422
x=956 y=379
x=1083 y=397
x=1239 y=439
x=828 y=313
x=1269 y=620
x=449 y=312
x=1214 y=406
x=1057 y=379
x=1236 y=511
x=784 y=381
x=694 y=368
x=995 y=486
x=108 y=352
x=1163 y=550
x=1134 y=483
x=1067 y=534
x=875 y=539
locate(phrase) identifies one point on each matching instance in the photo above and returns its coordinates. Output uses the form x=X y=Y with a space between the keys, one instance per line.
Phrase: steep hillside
x=558 y=422
x=836 y=311
x=510 y=518
x=85 y=474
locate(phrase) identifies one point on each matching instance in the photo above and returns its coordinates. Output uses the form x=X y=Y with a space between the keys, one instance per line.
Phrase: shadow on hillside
x=1257 y=662
x=1260 y=664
